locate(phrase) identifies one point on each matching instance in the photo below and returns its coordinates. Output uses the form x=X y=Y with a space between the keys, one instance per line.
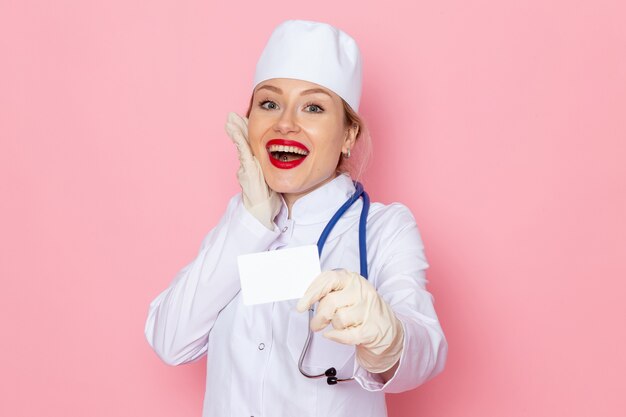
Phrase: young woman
x=375 y=328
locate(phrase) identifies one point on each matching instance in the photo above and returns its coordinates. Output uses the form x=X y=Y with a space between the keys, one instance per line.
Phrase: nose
x=287 y=122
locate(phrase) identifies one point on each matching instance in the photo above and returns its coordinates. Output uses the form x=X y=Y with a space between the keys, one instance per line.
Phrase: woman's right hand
x=258 y=198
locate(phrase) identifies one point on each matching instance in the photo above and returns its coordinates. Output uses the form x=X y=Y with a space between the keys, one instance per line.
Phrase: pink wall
x=500 y=124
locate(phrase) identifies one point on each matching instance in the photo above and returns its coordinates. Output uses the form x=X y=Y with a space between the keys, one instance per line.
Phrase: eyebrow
x=305 y=92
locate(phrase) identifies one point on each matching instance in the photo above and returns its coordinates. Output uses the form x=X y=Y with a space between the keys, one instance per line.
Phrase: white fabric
x=253 y=351
x=314 y=52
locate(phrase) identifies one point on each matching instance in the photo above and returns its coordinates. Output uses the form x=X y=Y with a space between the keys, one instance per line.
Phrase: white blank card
x=277 y=275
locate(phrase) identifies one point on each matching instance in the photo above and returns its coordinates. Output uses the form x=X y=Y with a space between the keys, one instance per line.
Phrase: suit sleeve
x=180 y=319
x=401 y=282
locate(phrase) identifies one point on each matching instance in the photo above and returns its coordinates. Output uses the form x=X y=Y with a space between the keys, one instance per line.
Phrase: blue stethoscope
x=331 y=373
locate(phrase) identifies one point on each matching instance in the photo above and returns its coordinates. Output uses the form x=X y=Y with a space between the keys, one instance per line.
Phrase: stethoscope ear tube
x=362 y=232
x=331 y=373
x=358 y=193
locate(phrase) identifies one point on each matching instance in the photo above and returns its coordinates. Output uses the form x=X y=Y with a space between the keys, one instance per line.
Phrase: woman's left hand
x=359 y=317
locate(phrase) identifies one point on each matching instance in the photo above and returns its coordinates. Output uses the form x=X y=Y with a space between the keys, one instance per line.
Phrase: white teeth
x=291 y=149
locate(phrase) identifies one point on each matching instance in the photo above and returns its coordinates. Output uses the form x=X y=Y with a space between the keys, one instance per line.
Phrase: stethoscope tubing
x=331 y=373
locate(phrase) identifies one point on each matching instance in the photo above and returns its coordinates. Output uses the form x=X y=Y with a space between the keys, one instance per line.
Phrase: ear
x=350 y=138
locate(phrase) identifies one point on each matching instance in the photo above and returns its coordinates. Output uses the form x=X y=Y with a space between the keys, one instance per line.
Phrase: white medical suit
x=253 y=351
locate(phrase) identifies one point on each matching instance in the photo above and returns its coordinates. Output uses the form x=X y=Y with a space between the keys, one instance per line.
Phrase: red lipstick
x=282 y=163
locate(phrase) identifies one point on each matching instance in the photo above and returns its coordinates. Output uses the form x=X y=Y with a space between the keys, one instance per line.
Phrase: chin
x=300 y=180
x=293 y=186
x=284 y=186
x=281 y=181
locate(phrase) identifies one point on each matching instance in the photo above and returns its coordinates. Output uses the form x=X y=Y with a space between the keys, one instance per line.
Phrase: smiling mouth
x=286 y=154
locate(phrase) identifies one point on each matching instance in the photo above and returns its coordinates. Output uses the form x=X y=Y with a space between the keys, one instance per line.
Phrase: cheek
x=333 y=139
x=254 y=137
x=328 y=131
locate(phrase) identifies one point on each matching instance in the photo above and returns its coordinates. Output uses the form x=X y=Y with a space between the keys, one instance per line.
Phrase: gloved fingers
x=322 y=285
x=328 y=306
x=348 y=317
x=243 y=149
x=349 y=336
x=254 y=187
x=239 y=121
x=237 y=130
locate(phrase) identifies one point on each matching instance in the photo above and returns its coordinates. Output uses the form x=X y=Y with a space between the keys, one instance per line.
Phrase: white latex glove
x=359 y=317
x=258 y=198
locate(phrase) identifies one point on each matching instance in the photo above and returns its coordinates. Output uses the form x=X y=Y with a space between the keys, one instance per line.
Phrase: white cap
x=314 y=52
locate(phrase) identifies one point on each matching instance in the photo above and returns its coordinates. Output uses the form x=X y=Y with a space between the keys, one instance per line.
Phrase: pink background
x=500 y=124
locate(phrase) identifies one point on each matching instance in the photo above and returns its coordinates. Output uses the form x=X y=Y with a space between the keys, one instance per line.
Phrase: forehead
x=290 y=86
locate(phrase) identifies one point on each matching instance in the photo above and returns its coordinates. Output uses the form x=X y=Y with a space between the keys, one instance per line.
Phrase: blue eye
x=314 y=108
x=268 y=105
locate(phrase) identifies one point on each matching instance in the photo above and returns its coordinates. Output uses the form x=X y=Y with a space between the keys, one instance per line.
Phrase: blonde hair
x=359 y=156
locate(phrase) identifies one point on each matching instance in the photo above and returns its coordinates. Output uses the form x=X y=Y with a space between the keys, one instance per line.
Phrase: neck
x=291 y=198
